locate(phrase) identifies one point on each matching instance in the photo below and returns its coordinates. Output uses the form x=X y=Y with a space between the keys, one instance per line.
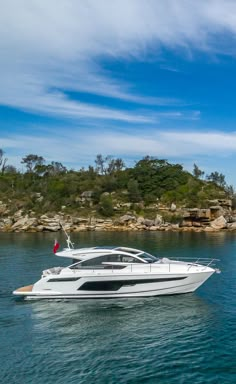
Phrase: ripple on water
x=168 y=340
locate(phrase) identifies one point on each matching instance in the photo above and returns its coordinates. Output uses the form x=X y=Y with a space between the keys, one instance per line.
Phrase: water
x=173 y=339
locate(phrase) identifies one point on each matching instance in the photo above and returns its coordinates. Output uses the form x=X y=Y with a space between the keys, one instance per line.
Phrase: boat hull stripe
x=115 y=285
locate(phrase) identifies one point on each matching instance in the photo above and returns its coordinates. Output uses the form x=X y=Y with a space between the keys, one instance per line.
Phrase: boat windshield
x=108 y=258
x=148 y=257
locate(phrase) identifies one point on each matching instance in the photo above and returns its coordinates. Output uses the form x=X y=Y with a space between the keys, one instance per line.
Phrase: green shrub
x=105 y=207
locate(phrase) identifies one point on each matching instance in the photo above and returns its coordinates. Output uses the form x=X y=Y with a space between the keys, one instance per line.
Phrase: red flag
x=56 y=246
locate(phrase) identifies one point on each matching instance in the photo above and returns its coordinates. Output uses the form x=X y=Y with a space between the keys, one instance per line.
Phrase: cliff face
x=218 y=216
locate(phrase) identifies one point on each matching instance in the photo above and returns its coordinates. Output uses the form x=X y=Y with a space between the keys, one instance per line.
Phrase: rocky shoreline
x=44 y=223
x=219 y=216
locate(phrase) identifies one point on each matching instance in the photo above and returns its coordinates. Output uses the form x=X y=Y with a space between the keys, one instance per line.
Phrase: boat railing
x=203 y=261
x=164 y=264
x=199 y=260
x=190 y=262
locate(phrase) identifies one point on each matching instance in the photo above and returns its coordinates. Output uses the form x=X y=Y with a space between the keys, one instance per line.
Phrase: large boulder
x=140 y=220
x=25 y=224
x=158 y=220
x=127 y=219
x=20 y=223
x=219 y=223
x=148 y=222
x=232 y=226
x=3 y=208
x=173 y=207
x=30 y=224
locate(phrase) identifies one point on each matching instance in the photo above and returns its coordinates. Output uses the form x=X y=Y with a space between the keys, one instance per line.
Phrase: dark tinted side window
x=109 y=258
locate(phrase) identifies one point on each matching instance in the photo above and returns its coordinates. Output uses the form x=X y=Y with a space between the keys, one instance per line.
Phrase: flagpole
x=68 y=240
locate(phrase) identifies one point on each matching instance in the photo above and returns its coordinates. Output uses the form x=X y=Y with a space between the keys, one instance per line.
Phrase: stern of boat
x=23 y=291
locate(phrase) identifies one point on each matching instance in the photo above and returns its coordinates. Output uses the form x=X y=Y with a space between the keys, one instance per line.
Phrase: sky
x=121 y=78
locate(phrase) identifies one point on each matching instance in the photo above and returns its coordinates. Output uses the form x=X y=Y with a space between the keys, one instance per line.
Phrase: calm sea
x=173 y=339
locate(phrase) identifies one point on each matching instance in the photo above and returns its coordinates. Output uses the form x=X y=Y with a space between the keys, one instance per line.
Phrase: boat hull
x=135 y=287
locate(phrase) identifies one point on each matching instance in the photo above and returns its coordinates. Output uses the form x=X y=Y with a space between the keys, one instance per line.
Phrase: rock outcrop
x=215 y=218
x=219 y=223
x=124 y=223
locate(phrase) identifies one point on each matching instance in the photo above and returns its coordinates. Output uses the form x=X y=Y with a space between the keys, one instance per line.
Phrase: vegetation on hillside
x=102 y=187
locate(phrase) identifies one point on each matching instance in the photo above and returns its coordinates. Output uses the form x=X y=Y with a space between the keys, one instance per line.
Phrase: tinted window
x=130 y=259
x=147 y=257
x=111 y=258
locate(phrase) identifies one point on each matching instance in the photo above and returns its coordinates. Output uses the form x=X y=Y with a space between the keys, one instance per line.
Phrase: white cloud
x=219 y=143
x=169 y=144
x=78 y=149
x=56 y=44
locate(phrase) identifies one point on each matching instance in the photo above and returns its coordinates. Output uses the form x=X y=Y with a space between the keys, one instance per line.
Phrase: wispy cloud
x=71 y=148
x=61 y=45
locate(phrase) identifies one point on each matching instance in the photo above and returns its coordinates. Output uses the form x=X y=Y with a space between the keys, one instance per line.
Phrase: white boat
x=117 y=272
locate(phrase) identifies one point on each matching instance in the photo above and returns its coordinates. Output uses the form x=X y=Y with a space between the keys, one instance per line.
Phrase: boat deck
x=27 y=288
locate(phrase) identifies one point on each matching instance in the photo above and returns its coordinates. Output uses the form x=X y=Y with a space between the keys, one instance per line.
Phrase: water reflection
x=131 y=334
x=157 y=315
x=171 y=339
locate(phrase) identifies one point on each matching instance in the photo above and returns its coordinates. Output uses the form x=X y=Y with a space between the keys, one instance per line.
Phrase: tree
x=105 y=206
x=3 y=161
x=134 y=192
x=230 y=191
x=32 y=162
x=10 y=169
x=197 y=172
x=114 y=165
x=108 y=165
x=217 y=178
x=53 y=169
x=156 y=176
x=100 y=164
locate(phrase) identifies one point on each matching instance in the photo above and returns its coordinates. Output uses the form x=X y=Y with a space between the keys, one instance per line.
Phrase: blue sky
x=126 y=78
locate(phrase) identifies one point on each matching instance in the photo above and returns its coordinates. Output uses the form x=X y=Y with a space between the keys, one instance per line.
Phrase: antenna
x=68 y=240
